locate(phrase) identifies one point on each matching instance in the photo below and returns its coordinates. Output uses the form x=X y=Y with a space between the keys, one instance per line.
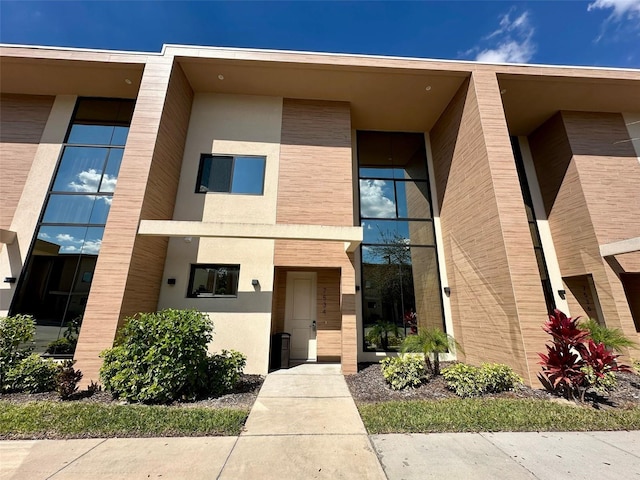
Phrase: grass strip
x=86 y=420
x=491 y=415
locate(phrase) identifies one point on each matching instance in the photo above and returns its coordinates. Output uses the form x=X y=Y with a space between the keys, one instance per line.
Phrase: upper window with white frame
x=237 y=174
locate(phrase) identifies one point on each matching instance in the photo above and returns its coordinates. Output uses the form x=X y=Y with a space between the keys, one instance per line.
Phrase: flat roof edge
x=392 y=57
x=80 y=49
x=293 y=53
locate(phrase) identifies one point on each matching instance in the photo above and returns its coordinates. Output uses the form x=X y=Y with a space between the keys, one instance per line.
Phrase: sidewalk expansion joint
x=228 y=455
x=482 y=435
x=245 y=434
x=76 y=459
x=612 y=445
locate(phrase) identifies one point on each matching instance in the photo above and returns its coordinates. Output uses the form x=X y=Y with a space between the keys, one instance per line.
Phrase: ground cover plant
x=434 y=407
x=490 y=414
x=90 y=420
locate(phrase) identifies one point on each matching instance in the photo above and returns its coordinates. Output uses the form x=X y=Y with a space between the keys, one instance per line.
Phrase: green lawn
x=491 y=415
x=85 y=420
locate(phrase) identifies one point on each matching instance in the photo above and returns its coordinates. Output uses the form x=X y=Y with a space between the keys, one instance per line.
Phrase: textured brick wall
x=22 y=121
x=129 y=269
x=497 y=301
x=315 y=186
x=589 y=175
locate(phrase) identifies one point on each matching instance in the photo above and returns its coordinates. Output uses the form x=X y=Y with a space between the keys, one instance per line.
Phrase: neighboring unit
x=346 y=200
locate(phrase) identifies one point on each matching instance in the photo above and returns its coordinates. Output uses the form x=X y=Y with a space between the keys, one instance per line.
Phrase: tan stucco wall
x=34 y=193
x=241 y=125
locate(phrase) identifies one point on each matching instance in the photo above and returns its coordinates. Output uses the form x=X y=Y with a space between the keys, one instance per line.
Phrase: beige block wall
x=22 y=121
x=232 y=125
x=496 y=298
x=41 y=159
x=316 y=187
x=129 y=268
x=589 y=174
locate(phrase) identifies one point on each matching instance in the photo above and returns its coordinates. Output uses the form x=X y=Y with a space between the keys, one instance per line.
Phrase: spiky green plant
x=430 y=342
x=612 y=338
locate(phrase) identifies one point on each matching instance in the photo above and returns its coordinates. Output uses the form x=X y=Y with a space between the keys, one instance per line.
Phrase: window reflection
x=401 y=285
x=55 y=284
x=80 y=169
x=227 y=174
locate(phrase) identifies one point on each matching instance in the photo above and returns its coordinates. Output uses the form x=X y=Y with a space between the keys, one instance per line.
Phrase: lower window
x=208 y=280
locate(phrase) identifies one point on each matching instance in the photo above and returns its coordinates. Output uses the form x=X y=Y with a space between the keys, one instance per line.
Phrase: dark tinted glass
x=220 y=177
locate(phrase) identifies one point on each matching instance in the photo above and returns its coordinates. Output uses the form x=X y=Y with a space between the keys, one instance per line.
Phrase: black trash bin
x=280 y=350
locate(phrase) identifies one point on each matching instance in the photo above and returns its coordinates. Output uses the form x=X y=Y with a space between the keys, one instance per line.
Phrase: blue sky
x=597 y=32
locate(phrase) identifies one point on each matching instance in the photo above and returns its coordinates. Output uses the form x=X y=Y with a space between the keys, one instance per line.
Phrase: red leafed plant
x=574 y=363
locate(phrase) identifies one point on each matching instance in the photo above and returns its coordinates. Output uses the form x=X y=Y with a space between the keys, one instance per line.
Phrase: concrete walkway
x=304 y=425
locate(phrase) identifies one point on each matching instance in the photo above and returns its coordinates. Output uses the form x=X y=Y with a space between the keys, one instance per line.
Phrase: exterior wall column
x=497 y=301
x=315 y=187
x=129 y=268
x=587 y=169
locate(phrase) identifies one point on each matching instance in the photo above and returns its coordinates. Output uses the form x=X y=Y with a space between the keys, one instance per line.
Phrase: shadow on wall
x=245 y=302
x=485 y=317
x=444 y=137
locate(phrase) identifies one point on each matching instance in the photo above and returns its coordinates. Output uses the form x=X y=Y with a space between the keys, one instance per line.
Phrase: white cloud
x=625 y=14
x=511 y=42
x=66 y=238
x=621 y=8
x=373 y=202
x=92 y=247
x=89 y=181
x=44 y=236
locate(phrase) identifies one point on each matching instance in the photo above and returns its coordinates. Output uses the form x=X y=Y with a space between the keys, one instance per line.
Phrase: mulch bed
x=368 y=386
x=242 y=396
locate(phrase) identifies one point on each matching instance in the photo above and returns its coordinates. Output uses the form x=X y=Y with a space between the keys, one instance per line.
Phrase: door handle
x=313 y=325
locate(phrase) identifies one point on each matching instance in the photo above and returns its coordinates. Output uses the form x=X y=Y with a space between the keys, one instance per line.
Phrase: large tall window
x=401 y=285
x=55 y=284
x=533 y=227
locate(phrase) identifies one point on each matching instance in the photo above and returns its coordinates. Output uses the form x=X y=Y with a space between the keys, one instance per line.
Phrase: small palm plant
x=430 y=341
x=612 y=338
x=379 y=333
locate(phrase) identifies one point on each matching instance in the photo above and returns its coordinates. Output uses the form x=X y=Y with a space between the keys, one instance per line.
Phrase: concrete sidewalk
x=304 y=425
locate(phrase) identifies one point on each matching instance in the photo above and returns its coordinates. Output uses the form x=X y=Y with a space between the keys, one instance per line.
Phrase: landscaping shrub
x=16 y=335
x=67 y=379
x=498 y=377
x=465 y=380
x=404 y=371
x=32 y=374
x=224 y=371
x=160 y=357
x=574 y=363
x=469 y=381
